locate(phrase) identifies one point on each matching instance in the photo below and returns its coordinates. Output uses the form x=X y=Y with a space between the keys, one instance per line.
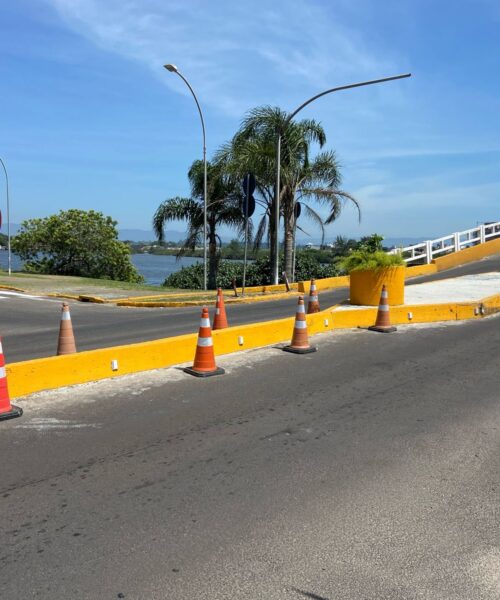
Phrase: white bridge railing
x=426 y=251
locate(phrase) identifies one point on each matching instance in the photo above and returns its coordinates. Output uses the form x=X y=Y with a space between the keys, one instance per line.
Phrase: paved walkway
x=468 y=288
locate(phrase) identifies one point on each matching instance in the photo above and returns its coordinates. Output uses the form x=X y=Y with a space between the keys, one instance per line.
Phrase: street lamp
x=275 y=267
x=8 y=217
x=174 y=69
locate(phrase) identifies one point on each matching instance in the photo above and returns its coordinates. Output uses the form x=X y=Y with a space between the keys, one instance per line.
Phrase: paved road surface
x=369 y=470
x=30 y=327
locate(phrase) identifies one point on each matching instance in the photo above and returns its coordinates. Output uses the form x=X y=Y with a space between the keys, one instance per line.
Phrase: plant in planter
x=369 y=270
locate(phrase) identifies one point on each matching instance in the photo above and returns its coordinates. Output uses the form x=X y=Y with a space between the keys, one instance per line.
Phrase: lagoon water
x=154 y=268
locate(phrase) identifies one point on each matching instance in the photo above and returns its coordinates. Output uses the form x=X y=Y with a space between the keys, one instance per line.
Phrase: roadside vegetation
x=307 y=184
x=326 y=262
x=75 y=242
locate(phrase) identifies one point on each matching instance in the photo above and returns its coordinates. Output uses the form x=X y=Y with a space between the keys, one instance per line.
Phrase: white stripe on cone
x=314 y=298
x=205 y=341
x=300 y=308
x=205 y=323
x=384 y=307
x=300 y=324
x=385 y=294
x=1 y=348
x=65 y=316
x=217 y=311
x=3 y=374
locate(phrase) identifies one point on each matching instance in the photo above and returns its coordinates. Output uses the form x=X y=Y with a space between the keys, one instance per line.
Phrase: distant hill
x=143 y=235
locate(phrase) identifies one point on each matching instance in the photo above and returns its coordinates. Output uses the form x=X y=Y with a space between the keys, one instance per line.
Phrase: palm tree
x=318 y=181
x=253 y=149
x=223 y=208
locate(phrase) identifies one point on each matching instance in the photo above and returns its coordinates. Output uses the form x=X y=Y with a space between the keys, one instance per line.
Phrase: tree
x=75 y=242
x=223 y=208
x=253 y=149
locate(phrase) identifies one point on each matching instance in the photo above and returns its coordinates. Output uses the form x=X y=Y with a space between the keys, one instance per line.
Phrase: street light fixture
x=174 y=69
x=275 y=267
x=9 y=259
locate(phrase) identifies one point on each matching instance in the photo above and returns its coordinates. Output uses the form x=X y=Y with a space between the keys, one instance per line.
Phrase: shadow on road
x=310 y=594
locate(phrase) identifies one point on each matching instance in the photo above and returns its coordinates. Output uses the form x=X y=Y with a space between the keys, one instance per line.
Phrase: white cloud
x=238 y=55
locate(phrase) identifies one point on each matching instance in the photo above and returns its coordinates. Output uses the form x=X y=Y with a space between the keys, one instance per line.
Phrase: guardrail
x=425 y=252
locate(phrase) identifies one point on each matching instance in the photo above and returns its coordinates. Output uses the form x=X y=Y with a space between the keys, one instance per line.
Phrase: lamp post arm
x=204 y=179
x=8 y=217
x=197 y=105
x=344 y=87
x=278 y=151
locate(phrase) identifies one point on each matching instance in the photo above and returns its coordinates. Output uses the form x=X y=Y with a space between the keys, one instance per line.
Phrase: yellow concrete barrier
x=48 y=373
x=467 y=255
x=366 y=285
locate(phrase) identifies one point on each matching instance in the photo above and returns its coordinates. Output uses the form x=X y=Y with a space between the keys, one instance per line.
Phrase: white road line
x=5 y=294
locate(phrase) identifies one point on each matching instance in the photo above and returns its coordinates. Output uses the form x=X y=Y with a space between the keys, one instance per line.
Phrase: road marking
x=49 y=423
x=4 y=294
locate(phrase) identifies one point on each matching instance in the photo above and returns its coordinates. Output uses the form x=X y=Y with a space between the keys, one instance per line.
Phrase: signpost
x=248 y=208
x=297 y=209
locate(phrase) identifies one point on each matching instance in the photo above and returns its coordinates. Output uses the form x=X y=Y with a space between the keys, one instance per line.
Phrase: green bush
x=360 y=260
x=258 y=273
x=75 y=242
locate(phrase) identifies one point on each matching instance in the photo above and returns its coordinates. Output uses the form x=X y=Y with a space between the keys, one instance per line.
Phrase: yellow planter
x=365 y=286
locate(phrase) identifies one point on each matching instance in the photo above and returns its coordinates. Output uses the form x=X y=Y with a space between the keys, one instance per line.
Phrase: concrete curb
x=36 y=375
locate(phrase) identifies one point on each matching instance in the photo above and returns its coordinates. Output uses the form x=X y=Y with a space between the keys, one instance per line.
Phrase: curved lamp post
x=8 y=216
x=174 y=69
x=278 y=156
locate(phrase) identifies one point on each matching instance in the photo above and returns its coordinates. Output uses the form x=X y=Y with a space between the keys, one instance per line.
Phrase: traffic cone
x=66 y=342
x=204 y=359
x=220 y=319
x=383 y=322
x=300 y=341
x=7 y=410
x=313 y=304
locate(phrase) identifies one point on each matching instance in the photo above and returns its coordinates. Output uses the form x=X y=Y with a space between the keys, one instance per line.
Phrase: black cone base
x=300 y=350
x=15 y=411
x=389 y=329
x=191 y=371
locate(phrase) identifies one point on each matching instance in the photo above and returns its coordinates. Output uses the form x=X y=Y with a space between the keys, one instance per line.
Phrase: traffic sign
x=251 y=206
x=248 y=184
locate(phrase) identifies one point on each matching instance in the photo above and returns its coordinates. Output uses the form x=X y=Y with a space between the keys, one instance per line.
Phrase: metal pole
x=174 y=69
x=278 y=146
x=246 y=238
x=9 y=259
x=277 y=212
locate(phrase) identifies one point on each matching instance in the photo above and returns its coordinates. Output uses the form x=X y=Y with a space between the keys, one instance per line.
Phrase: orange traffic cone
x=313 y=304
x=220 y=319
x=204 y=359
x=7 y=410
x=66 y=343
x=300 y=341
x=383 y=322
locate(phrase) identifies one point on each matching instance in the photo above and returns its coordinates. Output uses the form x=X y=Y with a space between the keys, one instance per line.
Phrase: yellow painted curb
x=65 y=296
x=94 y=299
x=11 y=288
x=227 y=300
x=48 y=373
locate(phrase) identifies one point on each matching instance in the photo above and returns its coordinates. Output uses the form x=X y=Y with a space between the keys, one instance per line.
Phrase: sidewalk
x=468 y=288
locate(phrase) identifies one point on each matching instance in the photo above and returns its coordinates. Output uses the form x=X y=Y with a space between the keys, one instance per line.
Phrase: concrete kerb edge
x=36 y=375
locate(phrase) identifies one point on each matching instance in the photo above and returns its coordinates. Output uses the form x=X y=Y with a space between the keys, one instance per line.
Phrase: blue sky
x=90 y=119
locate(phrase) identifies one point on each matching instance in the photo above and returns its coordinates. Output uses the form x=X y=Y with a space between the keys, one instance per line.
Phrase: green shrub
x=360 y=260
x=258 y=273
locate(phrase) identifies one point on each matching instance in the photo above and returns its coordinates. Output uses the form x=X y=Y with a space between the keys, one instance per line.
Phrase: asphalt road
x=369 y=470
x=30 y=327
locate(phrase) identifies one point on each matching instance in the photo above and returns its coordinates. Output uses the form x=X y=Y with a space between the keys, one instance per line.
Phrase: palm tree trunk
x=272 y=237
x=288 y=242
